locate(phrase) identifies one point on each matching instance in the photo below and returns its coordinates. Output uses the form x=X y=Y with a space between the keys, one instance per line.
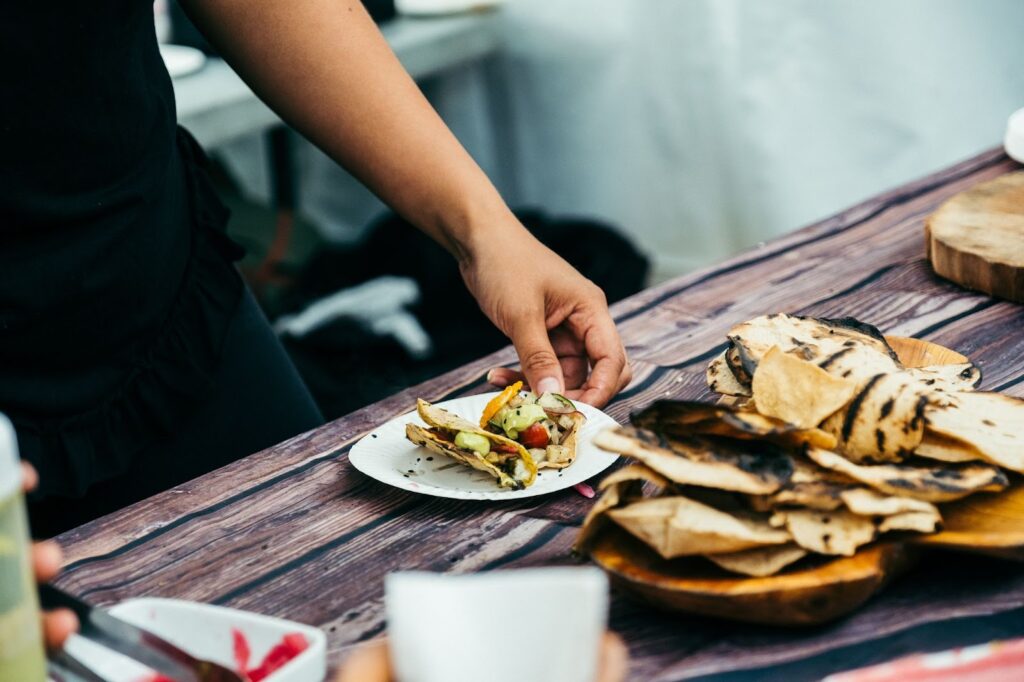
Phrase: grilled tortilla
x=928 y=483
x=752 y=467
x=678 y=526
x=760 y=561
x=721 y=379
x=684 y=418
x=835 y=532
x=990 y=422
x=508 y=462
x=845 y=348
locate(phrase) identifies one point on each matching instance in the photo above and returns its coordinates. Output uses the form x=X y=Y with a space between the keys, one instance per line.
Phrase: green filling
x=518 y=419
x=473 y=441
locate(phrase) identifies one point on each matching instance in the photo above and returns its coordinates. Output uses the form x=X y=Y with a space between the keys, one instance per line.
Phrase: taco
x=548 y=426
x=462 y=440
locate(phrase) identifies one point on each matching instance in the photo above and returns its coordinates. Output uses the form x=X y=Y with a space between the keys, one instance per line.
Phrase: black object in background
x=347 y=367
x=184 y=32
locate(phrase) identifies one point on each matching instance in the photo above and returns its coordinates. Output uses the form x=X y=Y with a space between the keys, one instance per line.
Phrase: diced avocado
x=521 y=418
x=473 y=441
x=556 y=402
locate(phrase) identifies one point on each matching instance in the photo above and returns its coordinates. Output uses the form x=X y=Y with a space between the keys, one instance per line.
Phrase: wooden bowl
x=815 y=590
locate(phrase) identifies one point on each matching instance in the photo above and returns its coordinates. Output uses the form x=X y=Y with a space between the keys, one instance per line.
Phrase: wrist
x=474 y=234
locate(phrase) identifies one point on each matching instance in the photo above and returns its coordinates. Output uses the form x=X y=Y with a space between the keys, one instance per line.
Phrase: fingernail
x=490 y=376
x=548 y=385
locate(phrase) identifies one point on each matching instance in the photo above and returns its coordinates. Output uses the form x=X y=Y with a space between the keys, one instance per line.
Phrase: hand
x=557 y=320
x=370 y=662
x=46 y=560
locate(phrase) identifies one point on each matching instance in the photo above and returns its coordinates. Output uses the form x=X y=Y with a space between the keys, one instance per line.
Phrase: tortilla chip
x=721 y=379
x=760 y=561
x=918 y=522
x=948 y=378
x=835 y=532
x=946 y=449
x=928 y=483
x=845 y=348
x=990 y=422
x=869 y=503
x=740 y=466
x=679 y=526
x=797 y=391
x=681 y=418
x=885 y=420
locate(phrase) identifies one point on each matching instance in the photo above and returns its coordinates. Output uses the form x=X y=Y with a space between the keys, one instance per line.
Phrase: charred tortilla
x=750 y=467
x=845 y=348
x=834 y=532
x=721 y=379
x=928 y=483
x=684 y=418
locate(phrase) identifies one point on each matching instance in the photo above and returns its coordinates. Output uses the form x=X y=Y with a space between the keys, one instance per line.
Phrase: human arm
x=325 y=68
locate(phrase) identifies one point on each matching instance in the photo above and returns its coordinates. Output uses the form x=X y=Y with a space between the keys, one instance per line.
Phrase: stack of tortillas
x=976 y=238
x=829 y=443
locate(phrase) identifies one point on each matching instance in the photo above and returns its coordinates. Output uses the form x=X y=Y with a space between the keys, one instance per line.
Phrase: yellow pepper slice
x=499 y=401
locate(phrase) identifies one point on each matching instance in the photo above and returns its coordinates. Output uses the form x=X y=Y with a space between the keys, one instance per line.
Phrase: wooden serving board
x=821 y=589
x=976 y=238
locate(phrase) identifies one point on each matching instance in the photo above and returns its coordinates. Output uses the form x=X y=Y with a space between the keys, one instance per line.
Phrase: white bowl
x=205 y=632
x=1014 y=140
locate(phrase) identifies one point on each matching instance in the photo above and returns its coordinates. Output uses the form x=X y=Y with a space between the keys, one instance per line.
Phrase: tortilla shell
x=721 y=379
x=885 y=420
x=679 y=526
x=992 y=423
x=949 y=378
x=869 y=503
x=918 y=522
x=797 y=391
x=928 y=483
x=845 y=348
x=568 y=442
x=835 y=532
x=424 y=438
x=688 y=418
x=820 y=495
x=739 y=466
x=760 y=561
x=946 y=448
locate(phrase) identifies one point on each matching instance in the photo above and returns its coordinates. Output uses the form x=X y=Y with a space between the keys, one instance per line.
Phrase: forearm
x=326 y=69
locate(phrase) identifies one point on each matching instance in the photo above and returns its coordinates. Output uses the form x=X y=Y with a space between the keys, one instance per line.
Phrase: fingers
x=536 y=356
x=503 y=376
x=29 y=477
x=46 y=560
x=58 y=626
x=367 y=662
x=610 y=371
x=613 y=663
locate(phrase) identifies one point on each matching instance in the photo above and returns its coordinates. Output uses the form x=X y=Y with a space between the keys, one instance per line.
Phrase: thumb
x=537 y=358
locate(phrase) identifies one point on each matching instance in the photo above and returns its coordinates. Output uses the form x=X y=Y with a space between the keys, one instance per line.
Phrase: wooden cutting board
x=976 y=239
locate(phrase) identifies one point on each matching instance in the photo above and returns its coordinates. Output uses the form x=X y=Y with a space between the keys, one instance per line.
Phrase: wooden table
x=296 y=532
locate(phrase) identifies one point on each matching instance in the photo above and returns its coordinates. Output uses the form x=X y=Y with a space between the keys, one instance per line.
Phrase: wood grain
x=294 y=531
x=977 y=238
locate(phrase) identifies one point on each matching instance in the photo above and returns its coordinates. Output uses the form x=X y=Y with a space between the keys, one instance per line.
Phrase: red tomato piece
x=536 y=436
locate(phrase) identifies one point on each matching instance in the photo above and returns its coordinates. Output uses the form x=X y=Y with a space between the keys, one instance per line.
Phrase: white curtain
x=704 y=126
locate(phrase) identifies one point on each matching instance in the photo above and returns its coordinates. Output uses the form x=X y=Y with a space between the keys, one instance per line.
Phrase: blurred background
x=642 y=139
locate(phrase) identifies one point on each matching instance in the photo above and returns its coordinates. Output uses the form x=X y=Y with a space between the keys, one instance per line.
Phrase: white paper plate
x=387 y=456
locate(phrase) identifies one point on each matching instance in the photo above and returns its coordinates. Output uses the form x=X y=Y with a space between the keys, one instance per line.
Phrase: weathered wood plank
x=296 y=532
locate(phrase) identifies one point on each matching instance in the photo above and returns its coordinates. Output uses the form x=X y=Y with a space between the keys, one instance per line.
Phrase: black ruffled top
x=116 y=277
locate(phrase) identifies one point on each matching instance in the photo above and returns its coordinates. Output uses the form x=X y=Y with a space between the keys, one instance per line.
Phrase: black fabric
x=117 y=286
x=347 y=366
x=256 y=400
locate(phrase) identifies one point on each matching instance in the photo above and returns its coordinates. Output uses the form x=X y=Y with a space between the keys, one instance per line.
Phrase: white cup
x=542 y=625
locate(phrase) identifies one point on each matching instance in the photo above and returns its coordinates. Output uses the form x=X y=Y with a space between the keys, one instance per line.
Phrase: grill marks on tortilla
x=836 y=532
x=844 y=347
x=751 y=467
x=928 y=483
x=990 y=424
x=884 y=422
